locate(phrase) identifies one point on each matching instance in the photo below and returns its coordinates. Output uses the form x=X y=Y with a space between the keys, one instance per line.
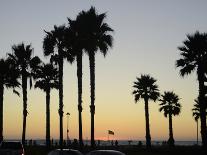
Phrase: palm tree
x=194 y=57
x=8 y=79
x=196 y=114
x=23 y=58
x=145 y=88
x=170 y=106
x=54 y=45
x=46 y=79
x=75 y=42
x=95 y=36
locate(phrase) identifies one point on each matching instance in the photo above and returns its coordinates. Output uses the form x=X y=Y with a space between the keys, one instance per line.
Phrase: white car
x=11 y=148
x=105 y=152
x=65 y=152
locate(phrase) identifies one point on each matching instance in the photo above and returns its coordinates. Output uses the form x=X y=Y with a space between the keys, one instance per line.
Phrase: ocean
x=120 y=142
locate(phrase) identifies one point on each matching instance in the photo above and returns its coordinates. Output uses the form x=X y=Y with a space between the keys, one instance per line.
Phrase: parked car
x=105 y=152
x=11 y=148
x=65 y=152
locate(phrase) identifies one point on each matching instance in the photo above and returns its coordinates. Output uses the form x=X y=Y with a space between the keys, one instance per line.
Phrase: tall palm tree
x=8 y=79
x=170 y=106
x=46 y=79
x=196 y=115
x=194 y=57
x=145 y=88
x=95 y=33
x=75 y=43
x=23 y=58
x=54 y=45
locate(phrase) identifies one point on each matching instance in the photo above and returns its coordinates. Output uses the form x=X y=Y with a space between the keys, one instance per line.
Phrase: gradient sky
x=147 y=34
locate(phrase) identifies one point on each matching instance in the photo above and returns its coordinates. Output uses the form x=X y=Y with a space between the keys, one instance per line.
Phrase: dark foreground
x=130 y=150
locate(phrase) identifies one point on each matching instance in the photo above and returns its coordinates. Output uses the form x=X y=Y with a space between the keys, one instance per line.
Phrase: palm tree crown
x=23 y=58
x=8 y=74
x=145 y=87
x=170 y=104
x=55 y=43
x=46 y=77
x=196 y=110
x=94 y=31
x=193 y=53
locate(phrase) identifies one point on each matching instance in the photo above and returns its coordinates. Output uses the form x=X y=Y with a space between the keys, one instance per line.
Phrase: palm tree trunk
x=48 y=118
x=24 y=91
x=171 y=139
x=61 y=100
x=148 y=137
x=79 y=75
x=1 y=109
x=197 y=130
x=202 y=103
x=92 y=106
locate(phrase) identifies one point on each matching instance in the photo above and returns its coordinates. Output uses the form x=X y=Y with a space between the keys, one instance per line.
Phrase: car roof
x=105 y=152
x=64 y=151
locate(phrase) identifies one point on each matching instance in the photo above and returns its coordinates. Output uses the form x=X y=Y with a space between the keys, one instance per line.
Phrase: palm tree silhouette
x=54 y=45
x=146 y=88
x=196 y=114
x=8 y=79
x=170 y=106
x=46 y=79
x=95 y=33
x=75 y=42
x=23 y=58
x=194 y=57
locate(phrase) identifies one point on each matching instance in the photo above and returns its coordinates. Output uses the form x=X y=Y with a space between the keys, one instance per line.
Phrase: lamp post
x=68 y=114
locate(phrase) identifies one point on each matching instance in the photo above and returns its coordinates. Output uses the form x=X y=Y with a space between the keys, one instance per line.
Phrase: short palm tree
x=23 y=58
x=170 y=106
x=8 y=79
x=145 y=88
x=46 y=79
x=194 y=57
x=54 y=45
x=196 y=115
x=95 y=33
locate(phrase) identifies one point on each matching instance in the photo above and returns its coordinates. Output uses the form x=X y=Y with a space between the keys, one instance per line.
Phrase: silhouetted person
x=68 y=142
x=99 y=142
x=34 y=142
x=30 y=142
x=116 y=143
x=75 y=143
x=52 y=142
x=112 y=143
x=129 y=142
x=64 y=143
x=140 y=144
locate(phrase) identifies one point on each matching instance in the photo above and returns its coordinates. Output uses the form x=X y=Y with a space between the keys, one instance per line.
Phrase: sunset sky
x=146 y=36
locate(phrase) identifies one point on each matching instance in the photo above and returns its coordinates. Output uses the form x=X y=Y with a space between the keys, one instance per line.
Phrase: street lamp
x=68 y=114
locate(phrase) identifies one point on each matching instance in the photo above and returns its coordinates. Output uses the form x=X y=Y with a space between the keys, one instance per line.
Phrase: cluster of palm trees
x=145 y=88
x=88 y=33
x=193 y=54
